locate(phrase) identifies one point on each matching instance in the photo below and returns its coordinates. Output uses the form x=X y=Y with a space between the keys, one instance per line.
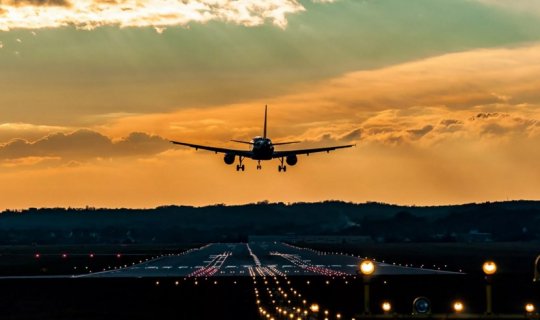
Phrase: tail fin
x=265 y=113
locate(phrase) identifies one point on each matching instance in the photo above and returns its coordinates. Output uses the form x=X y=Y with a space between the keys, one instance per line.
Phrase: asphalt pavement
x=255 y=259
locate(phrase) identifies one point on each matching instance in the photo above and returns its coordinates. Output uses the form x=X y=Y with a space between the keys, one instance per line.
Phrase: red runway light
x=118 y=255
x=64 y=255
x=37 y=255
x=91 y=255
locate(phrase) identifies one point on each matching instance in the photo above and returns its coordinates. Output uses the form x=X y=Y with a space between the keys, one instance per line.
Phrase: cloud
x=83 y=145
x=89 y=14
x=28 y=131
x=45 y=3
x=418 y=133
x=429 y=102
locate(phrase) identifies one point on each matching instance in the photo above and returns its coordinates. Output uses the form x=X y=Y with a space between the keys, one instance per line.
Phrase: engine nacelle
x=229 y=158
x=292 y=160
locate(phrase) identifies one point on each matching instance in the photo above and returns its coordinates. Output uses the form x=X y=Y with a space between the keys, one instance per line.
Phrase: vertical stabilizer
x=265 y=113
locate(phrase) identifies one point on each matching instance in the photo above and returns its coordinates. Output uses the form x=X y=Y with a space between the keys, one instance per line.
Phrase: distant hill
x=498 y=221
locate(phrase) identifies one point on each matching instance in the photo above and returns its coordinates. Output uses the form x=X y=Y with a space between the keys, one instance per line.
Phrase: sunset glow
x=441 y=109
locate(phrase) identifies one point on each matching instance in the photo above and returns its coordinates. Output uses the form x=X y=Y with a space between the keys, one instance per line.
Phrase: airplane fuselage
x=262 y=148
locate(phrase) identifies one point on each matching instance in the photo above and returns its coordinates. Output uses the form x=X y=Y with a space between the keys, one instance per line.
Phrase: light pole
x=489 y=268
x=386 y=307
x=315 y=309
x=367 y=268
x=529 y=309
x=536 y=269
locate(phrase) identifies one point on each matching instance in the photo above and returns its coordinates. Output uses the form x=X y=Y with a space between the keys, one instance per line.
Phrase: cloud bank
x=483 y=96
x=84 y=145
x=89 y=14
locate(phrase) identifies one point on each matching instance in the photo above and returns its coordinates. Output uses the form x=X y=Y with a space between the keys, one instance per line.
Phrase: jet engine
x=229 y=158
x=292 y=160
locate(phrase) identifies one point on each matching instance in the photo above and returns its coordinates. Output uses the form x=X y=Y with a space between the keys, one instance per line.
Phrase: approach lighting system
x=421 y=305
x=489 y=268
x=367 y=267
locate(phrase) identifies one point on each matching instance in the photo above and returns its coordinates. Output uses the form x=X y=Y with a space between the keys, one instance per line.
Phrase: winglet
x=265 y=114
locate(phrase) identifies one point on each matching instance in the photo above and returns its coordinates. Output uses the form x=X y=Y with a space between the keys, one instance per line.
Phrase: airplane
x=262 y=148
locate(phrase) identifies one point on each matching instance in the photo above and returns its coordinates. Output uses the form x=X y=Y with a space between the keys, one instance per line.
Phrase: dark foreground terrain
x=234 y=297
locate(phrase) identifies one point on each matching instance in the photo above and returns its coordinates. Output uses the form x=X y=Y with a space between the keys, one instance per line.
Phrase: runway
x=253 y=259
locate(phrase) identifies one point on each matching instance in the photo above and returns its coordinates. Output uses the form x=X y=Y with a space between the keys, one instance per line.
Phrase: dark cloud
x=84 y=144
x=450 y=125
x=381 y=130
x=48 y=3
x=419 y=133
x=394 y=139
x=489 y=115
x=450 y=122
x=506 y=124
x=352 y=136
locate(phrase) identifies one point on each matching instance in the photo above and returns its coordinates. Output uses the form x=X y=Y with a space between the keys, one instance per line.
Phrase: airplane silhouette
x=262 y=148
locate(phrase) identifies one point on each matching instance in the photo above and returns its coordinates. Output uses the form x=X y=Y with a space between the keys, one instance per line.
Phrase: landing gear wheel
x=240 y=166
x=282 y=166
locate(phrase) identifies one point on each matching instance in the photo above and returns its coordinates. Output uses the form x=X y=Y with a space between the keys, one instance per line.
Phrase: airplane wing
x=243 y=153
x=279 y=154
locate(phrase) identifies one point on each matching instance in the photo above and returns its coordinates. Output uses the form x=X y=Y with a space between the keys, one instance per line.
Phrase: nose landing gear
x=259 y=167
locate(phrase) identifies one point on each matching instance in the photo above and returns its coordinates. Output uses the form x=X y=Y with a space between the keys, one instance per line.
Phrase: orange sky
x=441 y=111
x=451 y=129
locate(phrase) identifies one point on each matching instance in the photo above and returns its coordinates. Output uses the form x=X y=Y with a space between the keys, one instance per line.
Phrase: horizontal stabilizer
x=239 y=141
x=281 y=143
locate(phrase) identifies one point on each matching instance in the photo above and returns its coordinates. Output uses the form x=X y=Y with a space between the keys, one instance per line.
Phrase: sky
x=441 y=98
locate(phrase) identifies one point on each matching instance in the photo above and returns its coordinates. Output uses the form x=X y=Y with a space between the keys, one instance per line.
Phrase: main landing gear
x=259 y=167
x=282 y=166
x=240 y=166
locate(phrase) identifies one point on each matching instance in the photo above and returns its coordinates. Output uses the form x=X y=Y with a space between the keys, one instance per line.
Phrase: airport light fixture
x=529 y=308
x=490 y=268
x=386 y=307
x=367 y=268
x=314 y=308
x=458 y=306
